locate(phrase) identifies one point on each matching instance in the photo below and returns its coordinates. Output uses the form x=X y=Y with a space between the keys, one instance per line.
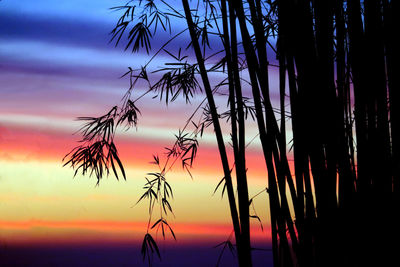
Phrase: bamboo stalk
x=243 y=195
x=217 y=127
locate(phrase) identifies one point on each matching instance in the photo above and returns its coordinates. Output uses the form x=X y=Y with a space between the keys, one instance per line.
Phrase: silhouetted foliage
x=338 y=74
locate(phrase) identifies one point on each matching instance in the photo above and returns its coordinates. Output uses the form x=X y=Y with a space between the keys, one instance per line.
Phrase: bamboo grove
x=334 y=193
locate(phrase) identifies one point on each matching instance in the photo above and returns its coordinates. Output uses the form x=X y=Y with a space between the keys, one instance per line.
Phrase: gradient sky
x=56 y=64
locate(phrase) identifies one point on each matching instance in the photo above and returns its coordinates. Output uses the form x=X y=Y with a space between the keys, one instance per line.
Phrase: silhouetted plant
x=338 y=75
x=226 y=245
x=98 y=153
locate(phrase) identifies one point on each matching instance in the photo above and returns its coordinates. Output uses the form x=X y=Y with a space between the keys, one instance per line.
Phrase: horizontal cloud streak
x=186 y=231
x=60 y=31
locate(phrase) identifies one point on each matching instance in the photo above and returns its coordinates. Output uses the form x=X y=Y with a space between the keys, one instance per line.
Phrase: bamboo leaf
x=220 y=182
x=259 y=220
x=152 y=244
x=115 y=155
x=157 y=222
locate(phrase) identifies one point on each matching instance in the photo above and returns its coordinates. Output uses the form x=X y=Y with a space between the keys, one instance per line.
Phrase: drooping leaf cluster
x=97 y=153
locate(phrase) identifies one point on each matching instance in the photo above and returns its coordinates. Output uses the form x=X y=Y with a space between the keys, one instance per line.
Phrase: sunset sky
x=56 y=64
